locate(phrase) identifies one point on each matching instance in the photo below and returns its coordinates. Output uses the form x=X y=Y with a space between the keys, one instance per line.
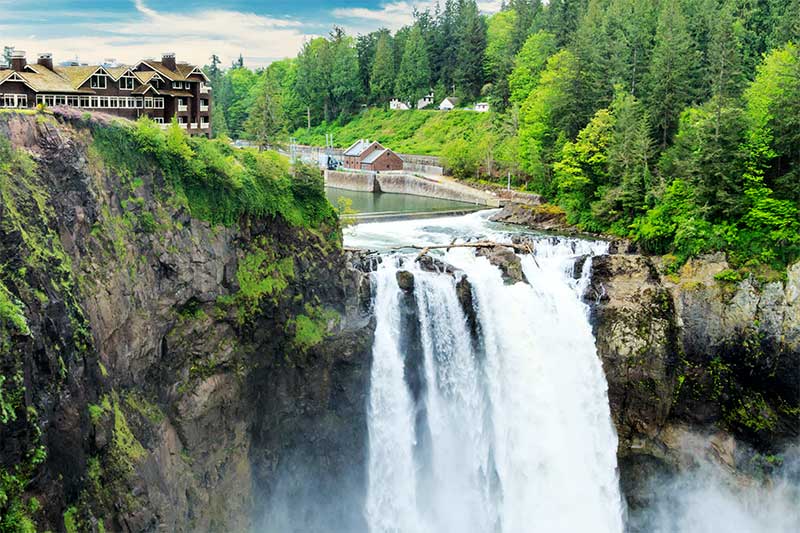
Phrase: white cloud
x=193 y=36
x=394 y=15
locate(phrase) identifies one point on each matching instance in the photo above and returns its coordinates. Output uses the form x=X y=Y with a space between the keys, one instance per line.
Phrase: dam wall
x=403 y=182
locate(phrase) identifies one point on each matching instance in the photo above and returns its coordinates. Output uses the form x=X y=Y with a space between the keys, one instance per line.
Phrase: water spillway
x=488 y=413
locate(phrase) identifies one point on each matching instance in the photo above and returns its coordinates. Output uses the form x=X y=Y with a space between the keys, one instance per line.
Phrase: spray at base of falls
x=502 y=426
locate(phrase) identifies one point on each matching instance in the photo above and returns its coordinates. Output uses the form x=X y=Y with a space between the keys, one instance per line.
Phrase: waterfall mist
x=710 y=498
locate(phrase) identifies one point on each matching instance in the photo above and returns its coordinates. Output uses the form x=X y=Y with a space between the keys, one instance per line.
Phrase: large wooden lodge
x=160 y=90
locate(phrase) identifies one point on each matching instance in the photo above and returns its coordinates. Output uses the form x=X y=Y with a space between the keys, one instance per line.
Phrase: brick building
x=160 y=90
x=383 y=159
x=358 y=151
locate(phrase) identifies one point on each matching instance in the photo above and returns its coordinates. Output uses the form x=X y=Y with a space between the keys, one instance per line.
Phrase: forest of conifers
x=672 y=122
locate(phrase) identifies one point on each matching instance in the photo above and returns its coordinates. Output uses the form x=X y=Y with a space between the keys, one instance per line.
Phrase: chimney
x=18 y=60
x=168 y=60
x=46 y=60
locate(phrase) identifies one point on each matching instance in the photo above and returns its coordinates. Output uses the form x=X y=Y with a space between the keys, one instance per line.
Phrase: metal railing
x=183 y=107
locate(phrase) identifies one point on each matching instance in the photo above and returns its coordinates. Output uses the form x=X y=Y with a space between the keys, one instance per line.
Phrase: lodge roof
x=181 y=73
x=69 y=79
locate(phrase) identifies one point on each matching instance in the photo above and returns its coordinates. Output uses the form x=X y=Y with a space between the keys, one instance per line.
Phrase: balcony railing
x=204 y=88
x=203 y=107
x=183 y=107
x=182 y=125
x=205 y=125
x=193 y=126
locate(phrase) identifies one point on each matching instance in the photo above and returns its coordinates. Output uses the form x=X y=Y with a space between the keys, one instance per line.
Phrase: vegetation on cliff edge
x=219 y=183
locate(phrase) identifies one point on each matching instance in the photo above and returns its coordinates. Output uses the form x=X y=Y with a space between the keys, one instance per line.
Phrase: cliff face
x=165 y=368
x=698 y=359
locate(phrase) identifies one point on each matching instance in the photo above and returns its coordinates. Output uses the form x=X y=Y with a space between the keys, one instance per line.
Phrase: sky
x=129 y=30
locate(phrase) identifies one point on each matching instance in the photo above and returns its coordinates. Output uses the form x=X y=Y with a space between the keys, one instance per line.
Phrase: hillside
x=412 y=132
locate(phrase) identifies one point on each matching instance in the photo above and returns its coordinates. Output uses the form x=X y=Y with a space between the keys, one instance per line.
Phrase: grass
x=413 y=132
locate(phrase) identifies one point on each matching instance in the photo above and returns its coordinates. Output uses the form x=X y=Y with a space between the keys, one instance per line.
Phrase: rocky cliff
x=701 y=365
x=161 y=371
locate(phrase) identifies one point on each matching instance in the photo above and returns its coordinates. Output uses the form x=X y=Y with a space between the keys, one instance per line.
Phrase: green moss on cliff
x=34 y=273
x=312 y=327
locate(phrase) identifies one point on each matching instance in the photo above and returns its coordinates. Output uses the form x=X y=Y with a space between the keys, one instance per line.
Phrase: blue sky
x=128 y=30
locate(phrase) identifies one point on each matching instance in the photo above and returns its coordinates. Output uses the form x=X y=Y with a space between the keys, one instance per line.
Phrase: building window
x=14 y=100
x=39 y=99
x=73 y=101
x=113 y=102
x=177 y=85
x=158 y=120
x=85 y=101
x=126 y=83
x=103 y=102
x=98 y=81
x=50 y=100
x=148 y=102
x=94 y=102
x=159 y=103
x=139 y=103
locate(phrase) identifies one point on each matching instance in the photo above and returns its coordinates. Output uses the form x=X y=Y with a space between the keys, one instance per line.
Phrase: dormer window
x=98 y=81
x=177 y=85
x=126 y=82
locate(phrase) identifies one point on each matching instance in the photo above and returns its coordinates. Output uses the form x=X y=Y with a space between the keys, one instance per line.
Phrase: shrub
x=220 y=184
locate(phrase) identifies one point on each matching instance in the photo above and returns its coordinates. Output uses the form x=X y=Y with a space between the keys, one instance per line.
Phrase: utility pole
x=308 y=116
x=509 y=180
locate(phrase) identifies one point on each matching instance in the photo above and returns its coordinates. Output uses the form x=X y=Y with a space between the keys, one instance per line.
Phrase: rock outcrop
x=169 y=371
x=699 y=359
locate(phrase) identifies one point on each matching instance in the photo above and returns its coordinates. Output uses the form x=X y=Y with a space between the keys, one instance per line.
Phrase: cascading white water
x=511 y=429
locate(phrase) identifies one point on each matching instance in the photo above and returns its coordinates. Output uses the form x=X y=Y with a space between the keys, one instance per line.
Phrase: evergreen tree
x=366 y=46
x=526 y=21
x=383 y=71
x=673 y=64
x=346 y=89
x=561 y=19
x=630 y=29
x=724 y=62
x=413 y=78
x=499 y=58
x=267 y=122
x=629 y=153
x=592 y=49
x=468 y=75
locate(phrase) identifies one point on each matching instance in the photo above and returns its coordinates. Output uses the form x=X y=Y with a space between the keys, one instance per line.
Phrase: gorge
x=166 y=370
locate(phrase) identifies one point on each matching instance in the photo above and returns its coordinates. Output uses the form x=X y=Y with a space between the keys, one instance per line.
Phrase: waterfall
x=495 y=423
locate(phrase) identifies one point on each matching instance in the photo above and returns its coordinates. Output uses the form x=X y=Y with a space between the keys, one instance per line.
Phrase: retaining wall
x=405 y=183
x=351 y=181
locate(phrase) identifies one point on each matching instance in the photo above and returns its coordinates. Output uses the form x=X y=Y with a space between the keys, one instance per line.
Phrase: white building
x=425 y=101
x=449 y=103
x=397 y=105
x=482 y=107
